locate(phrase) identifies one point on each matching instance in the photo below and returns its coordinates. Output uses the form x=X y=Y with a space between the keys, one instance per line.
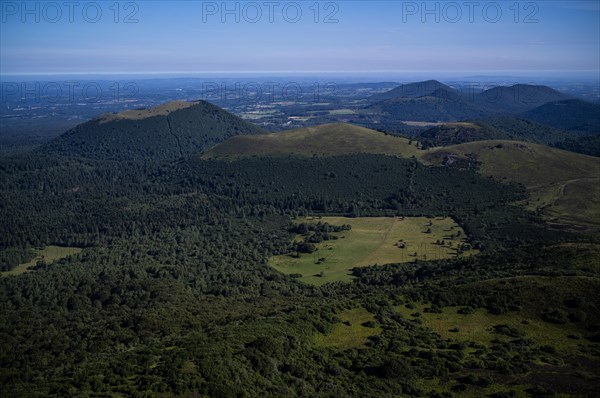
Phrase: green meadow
x=48 y=255
x=355 y=328
x=479 y=326
x=373 y=241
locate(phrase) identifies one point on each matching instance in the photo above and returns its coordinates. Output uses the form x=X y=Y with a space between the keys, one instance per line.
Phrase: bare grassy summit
x=139 y=114
x=321 y=141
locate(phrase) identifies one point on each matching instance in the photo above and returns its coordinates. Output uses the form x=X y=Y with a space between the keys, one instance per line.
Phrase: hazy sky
x=195 y=36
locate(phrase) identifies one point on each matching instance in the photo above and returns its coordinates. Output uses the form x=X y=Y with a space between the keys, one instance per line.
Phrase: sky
x=156 y=37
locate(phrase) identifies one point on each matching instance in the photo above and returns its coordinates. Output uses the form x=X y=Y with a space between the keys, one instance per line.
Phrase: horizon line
x=308 y=72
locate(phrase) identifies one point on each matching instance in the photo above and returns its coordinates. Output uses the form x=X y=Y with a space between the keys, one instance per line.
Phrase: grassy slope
x=49 y=254
x=372 y=241
x=564 y=185
x=352 y=335
x=324 y=140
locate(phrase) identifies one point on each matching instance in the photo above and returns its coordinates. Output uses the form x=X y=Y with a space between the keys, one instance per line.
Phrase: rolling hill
x=193 y=277
x=518 y=128
x=564 y=186
x=324 y=140
x=166 y=132
x=572 y=114
x=517 y=98
x=411 y=90
x=496 y=128
x=458 y=133
x=441 y=105
x=509 y=128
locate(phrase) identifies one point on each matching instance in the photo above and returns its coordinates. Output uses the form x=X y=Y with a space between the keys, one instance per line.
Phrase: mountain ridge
x=321 y=141
x=411 y=90
x=569 y=114
x=518 y=97
x=163 y=133
x=434 y=101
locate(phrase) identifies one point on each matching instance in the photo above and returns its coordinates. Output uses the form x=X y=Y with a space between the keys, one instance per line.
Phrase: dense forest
x=165 y=286
x=510 y=128
x=170 y=131
x=172 y=294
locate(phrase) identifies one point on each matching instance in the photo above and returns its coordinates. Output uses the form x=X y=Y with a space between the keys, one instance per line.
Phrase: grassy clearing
x=350 y=332
x=258 y=114
x=138 y=114
x=342 y=112
x=373 y=241
x=557 y=373
x=435 y=124
x=478 y=327
x=49 y=254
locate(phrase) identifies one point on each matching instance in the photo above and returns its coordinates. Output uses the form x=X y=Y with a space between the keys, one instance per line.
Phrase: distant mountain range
x=167 y=132
x=411 y=90
x=434 y=101
x=517 y=98
x=179 y=129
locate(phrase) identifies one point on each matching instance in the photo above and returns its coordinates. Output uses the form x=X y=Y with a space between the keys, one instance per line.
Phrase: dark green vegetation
x=517 y=98
x=587 y=145
x=172 y=294
x=572 y=115
x=563 y=186
x=496 y=128
x=167 y=132
x=441 y=105
x=10 y=258
x=458 y=133
x=510 y=128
